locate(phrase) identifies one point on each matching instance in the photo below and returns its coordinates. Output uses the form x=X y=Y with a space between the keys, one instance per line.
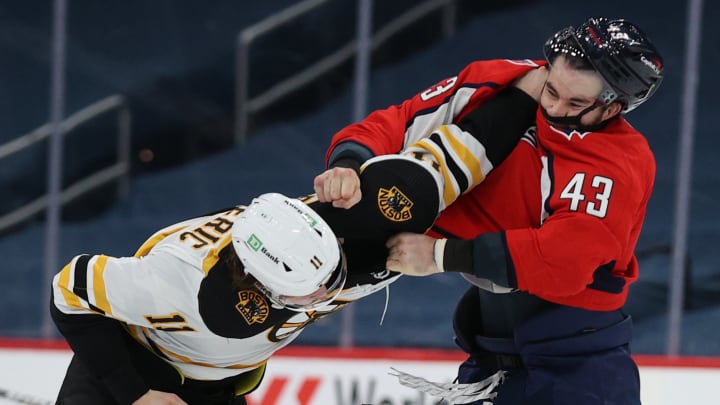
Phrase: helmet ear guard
x=314 y=301
x=291 y=252
x=619 y=51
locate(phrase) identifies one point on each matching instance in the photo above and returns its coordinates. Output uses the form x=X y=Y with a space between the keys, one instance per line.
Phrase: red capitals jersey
x=570 y=205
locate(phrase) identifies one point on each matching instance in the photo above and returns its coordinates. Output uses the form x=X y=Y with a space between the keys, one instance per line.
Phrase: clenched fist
x=339 y=185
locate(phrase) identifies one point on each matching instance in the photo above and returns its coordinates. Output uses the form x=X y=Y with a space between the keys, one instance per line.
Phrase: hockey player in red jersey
x=548 y=238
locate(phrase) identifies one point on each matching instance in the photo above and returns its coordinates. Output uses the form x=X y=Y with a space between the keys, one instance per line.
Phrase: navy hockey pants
x=565 y=356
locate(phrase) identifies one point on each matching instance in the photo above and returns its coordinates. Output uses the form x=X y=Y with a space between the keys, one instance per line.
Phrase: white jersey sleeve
x=164 y=271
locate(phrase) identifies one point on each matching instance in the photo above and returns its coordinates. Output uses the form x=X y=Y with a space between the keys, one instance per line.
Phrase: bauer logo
x=394 y=204
x=310 y=220
x=252 y=306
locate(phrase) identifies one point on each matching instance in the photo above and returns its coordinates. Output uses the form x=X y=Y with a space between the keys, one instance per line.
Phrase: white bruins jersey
x=175 y=296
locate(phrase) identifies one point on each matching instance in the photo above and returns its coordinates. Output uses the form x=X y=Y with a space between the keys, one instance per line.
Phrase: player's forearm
x=98 y=342
x=550 y=266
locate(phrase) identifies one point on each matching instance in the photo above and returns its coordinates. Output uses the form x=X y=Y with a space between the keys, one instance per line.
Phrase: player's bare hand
x=339 y=185
x=532 y=82
x=411 y=254
x=153 y=397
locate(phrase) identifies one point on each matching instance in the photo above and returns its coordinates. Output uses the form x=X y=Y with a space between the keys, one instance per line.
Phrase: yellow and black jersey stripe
x=82 y=285
x=457 y=155
x=466 y=152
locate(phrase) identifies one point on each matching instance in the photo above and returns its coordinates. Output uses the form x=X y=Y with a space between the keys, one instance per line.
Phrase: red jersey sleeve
x=392 y=129
x=560 y=258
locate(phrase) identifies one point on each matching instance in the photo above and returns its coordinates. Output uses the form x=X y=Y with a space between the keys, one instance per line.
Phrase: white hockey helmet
x=291 y=252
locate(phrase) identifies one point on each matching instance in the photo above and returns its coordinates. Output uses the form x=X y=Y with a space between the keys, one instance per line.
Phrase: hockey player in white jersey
x=202 y=305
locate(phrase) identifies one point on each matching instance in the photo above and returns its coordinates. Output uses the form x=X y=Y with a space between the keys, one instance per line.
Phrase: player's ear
x=612 y=110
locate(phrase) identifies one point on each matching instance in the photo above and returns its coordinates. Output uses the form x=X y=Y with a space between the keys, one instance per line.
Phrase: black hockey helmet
x=617 y=49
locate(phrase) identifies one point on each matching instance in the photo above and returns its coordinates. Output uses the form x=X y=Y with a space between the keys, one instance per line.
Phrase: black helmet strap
x=574 y=121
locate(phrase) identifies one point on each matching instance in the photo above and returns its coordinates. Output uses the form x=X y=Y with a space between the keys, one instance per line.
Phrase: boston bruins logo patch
x=394 y=204
x=252 y=306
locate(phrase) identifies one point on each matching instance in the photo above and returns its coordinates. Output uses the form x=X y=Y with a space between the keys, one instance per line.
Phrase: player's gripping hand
x=412 y=254
x=339 y=185
x=153 y=397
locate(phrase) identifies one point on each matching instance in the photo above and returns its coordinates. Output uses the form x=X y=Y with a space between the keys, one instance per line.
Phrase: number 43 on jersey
x=597 y=205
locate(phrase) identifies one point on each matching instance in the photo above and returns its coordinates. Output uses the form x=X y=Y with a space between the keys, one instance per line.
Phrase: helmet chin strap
x=574 y=121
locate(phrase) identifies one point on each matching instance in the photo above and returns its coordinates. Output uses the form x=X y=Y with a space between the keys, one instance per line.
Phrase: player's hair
x=577 y=62
x=239 y=279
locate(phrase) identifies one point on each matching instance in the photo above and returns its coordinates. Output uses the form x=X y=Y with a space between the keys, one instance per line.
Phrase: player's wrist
x=439 y=254
x=347 y=163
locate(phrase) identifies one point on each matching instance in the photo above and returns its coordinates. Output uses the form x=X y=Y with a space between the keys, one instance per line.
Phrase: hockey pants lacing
x=453 y=392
